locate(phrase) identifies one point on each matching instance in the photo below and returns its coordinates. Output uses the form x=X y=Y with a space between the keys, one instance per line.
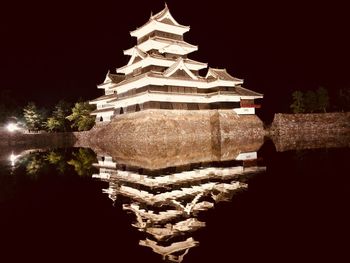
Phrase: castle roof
x=165 y=16
x=111 y=80
x=104 y=97
x=246 y=92
x=162 y=21
x=159 y=60
x=110 y=109
x=116 y=78
x=220 y=74
x=162 y=44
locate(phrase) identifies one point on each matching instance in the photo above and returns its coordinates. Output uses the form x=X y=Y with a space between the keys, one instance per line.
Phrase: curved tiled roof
x=246 y=92
x=221 y=74
x=104 y=97
x=116 y=78
x=162 y=18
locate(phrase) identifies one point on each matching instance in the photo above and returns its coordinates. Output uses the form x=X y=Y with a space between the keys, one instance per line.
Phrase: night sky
x=56 y=50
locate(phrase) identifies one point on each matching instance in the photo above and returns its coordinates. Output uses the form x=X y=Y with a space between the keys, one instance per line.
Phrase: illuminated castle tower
x=159 y=75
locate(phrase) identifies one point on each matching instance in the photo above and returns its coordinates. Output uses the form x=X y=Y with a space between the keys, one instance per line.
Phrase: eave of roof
x=164 y=40
x=247 y=92
x=102 y=98
x=102 y=110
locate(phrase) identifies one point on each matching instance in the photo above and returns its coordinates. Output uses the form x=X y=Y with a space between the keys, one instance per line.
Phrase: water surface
x=239 y=203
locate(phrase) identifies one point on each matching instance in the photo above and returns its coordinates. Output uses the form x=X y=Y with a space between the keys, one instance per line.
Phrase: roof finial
x=166 y=6
x=151 y=13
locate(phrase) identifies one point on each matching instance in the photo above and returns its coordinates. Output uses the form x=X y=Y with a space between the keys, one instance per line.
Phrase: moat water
x=247 y=205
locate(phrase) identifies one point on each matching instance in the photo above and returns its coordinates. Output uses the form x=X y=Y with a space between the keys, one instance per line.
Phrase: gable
x=107 y=78
x=164 y=16
x=137 y=55
x=211 y=75
x=179 y=69
x=168 y=19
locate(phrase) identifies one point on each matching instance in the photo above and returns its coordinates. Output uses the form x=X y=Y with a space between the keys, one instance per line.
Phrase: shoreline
x=142 y=128
x=43 y=139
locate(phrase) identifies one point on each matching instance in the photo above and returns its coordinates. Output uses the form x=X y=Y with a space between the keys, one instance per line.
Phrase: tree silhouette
x=322 y=99
x=298 y=102
x=343 y=99
x=311 y=103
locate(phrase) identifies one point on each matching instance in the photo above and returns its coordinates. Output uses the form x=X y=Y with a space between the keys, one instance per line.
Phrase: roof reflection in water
x=166 y=197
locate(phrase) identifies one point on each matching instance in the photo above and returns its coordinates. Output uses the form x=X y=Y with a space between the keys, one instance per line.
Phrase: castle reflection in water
x=166 y=199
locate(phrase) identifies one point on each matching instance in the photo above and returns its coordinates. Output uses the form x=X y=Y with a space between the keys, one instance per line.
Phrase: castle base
x=176 y=124
x=156 y=136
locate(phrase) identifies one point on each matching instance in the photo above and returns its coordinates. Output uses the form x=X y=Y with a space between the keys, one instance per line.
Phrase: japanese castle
x=159 y=75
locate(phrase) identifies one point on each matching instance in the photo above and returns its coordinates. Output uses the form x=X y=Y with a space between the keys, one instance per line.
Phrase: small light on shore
x=11 y=127
x=13 y=159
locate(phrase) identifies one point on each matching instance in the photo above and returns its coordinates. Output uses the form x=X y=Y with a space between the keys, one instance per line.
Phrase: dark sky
x=57 y=50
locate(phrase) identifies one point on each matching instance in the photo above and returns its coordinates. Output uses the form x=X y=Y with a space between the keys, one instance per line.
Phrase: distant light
x=11 y=127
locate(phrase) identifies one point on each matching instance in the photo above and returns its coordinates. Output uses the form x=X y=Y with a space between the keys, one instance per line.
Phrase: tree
x=343 y=99
x=322 y=99
x=32 y=117
x=80 y=117
x=311 y=102
x=52 y=124
x=298 y=102
x=58 y=120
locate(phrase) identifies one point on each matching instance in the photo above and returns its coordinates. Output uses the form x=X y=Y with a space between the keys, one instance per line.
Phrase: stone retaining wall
x=165 y=125
x=316 y=123
x=310 y=131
